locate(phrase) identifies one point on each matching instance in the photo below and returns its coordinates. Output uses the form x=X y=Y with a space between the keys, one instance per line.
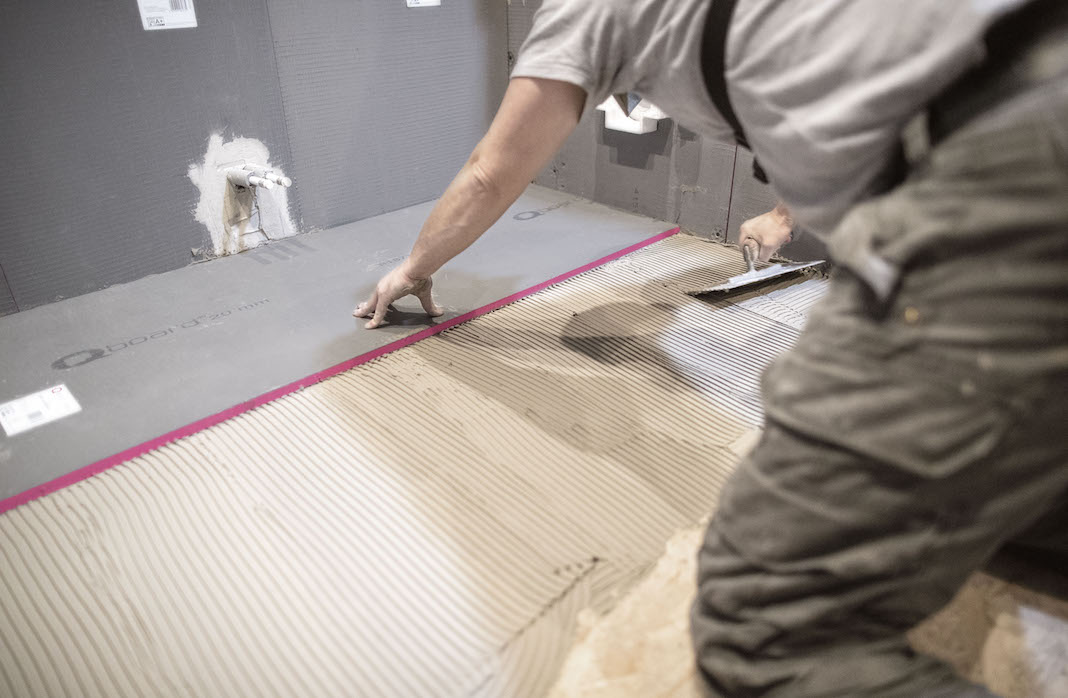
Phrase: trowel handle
x=749 y=254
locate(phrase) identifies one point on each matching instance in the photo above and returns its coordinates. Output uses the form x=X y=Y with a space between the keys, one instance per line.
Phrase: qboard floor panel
x=147 y=358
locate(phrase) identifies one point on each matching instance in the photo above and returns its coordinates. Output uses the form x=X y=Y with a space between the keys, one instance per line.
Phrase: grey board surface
x=220 y=333
x=383 y=102
x=369 y=106
x=100 y=123
x=672 y=174
x=7 y=301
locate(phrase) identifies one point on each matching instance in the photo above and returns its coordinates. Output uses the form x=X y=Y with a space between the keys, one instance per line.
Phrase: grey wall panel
x=703 y=185
x=384 y=102
x=101 y=120
x=751 y=198
x=673 y=174
x=520 y=20
x=574 y=167
x=632 y=172
x=7 y=301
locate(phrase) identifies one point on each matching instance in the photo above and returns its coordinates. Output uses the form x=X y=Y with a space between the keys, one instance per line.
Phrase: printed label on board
x=167 y=14
x=424 y=3
x=39 y=408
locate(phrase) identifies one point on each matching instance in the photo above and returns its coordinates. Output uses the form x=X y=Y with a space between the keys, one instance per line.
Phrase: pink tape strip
x=201 y=424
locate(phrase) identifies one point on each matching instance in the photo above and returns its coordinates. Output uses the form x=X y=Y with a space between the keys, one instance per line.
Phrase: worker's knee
x=758 y=632
x=728 y=631
x=786 y=619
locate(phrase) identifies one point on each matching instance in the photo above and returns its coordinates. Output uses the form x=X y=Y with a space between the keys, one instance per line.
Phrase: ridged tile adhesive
x=429 y=523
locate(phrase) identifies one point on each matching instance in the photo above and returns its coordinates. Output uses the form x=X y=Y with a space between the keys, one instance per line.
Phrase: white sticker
x=167 y=14
x=424 y=3
x=40 y=408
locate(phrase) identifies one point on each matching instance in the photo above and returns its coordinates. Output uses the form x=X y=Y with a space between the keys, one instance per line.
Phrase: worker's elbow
x=486 y=178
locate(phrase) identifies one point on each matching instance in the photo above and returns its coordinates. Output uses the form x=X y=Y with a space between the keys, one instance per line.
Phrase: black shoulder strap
x=714 y=63
x=714 y=66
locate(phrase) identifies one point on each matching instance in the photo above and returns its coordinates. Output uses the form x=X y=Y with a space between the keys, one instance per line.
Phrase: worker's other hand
x=393 y=286
x=767 y=232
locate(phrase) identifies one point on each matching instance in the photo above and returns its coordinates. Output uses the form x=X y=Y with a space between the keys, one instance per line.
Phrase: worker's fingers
x=752 y=240
x=760 y=251
x=765 y=234
x=750 y=244
x=426 y=298
x=364 y=309
x=380 y=312
x=747 y=240
x=394 y=285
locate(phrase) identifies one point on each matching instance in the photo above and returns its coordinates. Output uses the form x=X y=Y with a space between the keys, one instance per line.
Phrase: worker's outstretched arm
x=534 y=119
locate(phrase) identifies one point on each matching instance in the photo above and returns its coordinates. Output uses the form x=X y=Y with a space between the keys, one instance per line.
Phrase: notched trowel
x=755 y=276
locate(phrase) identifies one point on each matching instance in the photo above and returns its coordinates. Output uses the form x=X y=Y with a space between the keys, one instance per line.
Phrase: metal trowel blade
x=757 y=276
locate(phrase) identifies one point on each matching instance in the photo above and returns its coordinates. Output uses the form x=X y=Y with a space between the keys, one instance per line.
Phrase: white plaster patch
x=219 y=199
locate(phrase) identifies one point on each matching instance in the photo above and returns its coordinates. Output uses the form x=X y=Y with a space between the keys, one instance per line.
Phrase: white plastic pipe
x=268 y=174
x=243 y=178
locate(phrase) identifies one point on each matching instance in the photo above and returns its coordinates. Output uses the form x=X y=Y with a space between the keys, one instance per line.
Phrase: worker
x=916 y=427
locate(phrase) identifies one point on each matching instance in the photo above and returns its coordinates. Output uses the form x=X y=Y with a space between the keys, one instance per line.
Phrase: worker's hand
x=767 y=232
x=393 y=286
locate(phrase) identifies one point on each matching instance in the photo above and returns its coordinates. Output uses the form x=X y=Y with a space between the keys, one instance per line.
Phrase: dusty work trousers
x=907 y=438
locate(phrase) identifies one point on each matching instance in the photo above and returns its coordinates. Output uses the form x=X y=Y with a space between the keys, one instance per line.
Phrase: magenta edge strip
x=100 y=466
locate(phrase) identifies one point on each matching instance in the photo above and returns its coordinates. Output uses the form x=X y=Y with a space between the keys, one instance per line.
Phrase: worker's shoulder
x=603 y=8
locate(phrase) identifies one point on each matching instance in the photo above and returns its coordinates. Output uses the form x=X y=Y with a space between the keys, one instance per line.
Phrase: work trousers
x=909 y=436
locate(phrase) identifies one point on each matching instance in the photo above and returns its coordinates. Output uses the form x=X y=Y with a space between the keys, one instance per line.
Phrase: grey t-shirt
x=823 y=88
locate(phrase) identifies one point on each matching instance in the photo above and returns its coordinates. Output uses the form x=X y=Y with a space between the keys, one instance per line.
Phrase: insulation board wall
x=369 y=106
x=384 y=102
x=7 y=301
x=101 y=121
